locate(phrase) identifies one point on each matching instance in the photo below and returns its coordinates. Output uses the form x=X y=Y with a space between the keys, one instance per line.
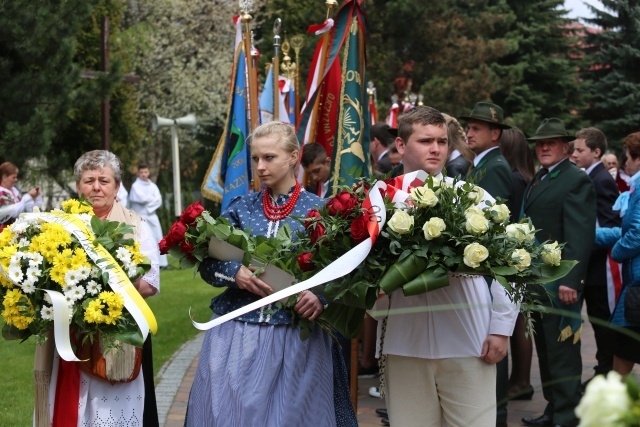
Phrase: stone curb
x=172 y=373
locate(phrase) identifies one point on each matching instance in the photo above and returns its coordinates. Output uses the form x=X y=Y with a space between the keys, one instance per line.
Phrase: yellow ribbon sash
x=118 y=281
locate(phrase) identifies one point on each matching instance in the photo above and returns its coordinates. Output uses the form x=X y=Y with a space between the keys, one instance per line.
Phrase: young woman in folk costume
x=255 y=370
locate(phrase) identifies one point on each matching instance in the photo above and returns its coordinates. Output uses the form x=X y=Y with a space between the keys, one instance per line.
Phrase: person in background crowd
x=624 y=242
x=515 y=149
x=317 y=165
x=623 y=175
x=381 y=141
x=123 y=195
x=491 y=171
x=145 y=199
x=255 y=370
x=610 y=162
x=98 y=176
x=460 y=155
x=12 y=202
x=394 y=157
x=590 y=144
x=561 y=202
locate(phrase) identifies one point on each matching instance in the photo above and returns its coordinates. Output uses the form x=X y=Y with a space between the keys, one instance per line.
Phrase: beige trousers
x=456 y=392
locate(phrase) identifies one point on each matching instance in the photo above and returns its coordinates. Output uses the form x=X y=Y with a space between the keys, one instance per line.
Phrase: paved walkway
x=177 y=375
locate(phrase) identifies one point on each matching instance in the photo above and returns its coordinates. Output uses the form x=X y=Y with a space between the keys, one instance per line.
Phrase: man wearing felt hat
x=492 y=172
x=561 y=202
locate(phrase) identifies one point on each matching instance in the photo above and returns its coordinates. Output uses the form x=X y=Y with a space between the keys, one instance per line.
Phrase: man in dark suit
x=381 y=141
x=561 y=203
x=589 y=147
x=492 y=172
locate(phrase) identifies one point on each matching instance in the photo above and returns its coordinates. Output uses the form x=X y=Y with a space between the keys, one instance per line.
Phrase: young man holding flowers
x=442 y=346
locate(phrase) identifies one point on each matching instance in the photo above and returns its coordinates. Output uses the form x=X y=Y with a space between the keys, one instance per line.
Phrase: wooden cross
x=104 y=68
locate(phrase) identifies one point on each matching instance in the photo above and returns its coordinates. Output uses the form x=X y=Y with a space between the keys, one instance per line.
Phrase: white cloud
x=578 y=8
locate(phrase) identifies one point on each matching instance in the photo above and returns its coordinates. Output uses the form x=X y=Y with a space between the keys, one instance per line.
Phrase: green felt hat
x=487 y=112
x=550 y=129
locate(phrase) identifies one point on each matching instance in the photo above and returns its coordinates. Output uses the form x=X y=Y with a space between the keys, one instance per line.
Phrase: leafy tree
x=40 y=80
x=539 y=75
x=612 y=64
x=182 y=51
x=445 y=47
x=83 y=129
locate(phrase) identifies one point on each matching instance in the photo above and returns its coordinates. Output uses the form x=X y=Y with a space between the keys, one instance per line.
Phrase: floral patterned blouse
x=247 y=212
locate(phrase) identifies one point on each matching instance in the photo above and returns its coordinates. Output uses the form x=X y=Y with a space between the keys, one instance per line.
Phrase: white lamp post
x=187 y=121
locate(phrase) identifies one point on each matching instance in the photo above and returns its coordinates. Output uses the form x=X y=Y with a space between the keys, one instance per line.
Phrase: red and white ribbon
x=318 y=29
x=398 y=192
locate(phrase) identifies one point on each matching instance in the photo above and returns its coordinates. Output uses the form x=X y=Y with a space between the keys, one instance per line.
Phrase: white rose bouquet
x=459 y=230
x=438 y=226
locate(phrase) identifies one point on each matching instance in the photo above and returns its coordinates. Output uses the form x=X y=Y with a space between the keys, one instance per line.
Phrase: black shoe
x=542 y=420
x=385 y=421
x=382 y=412
x=372 y=372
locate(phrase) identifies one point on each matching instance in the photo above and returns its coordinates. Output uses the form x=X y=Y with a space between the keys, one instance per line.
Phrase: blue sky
x=577 y=8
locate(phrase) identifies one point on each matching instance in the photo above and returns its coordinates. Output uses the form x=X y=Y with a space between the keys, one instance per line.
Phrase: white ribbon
x=61 y=317
x=338 y=268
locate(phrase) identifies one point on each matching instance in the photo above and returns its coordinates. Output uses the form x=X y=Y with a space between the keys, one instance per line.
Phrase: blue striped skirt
x=253 y=375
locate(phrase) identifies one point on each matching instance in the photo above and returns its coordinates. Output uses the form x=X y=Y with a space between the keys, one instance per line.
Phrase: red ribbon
x=65 y=410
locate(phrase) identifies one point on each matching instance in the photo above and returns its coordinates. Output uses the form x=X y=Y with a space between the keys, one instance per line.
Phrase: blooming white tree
x=183 y=55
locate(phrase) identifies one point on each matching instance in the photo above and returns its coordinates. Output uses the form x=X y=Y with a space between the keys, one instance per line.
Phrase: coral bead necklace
x=276 y=213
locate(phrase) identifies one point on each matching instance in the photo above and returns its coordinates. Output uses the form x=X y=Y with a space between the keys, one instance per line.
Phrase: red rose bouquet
x=190 y=236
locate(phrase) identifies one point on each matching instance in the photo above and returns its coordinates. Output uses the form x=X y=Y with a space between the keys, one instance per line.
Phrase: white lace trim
x=223 y=277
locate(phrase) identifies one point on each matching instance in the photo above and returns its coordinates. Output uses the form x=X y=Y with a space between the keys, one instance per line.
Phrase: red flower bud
x=365 y=187
x=305 y=262
x=191 y=213
x=164 y=247
x=344 y=203
x=317 y=232
x=359 y=231
x=187 y=247
x=176 y=234
x=313 y=213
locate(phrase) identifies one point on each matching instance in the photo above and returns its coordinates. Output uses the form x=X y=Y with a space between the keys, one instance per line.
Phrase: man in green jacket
x=492 y=172
x=490 y=169
x=561 y=203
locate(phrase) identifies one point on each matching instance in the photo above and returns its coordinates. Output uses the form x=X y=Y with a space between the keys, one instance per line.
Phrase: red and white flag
x=392 y=121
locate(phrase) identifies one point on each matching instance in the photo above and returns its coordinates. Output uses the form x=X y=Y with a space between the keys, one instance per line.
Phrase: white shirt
x=453 y=321
x=476 y=159
x=325 y=189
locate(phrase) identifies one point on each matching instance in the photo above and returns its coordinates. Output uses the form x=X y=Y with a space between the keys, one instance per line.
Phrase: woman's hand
x=245 y=279
x=308 y=305
x=144 y=288
x=34 y=192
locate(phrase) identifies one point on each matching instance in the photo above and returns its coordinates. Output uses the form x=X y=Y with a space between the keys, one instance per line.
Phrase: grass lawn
x=179 y=291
